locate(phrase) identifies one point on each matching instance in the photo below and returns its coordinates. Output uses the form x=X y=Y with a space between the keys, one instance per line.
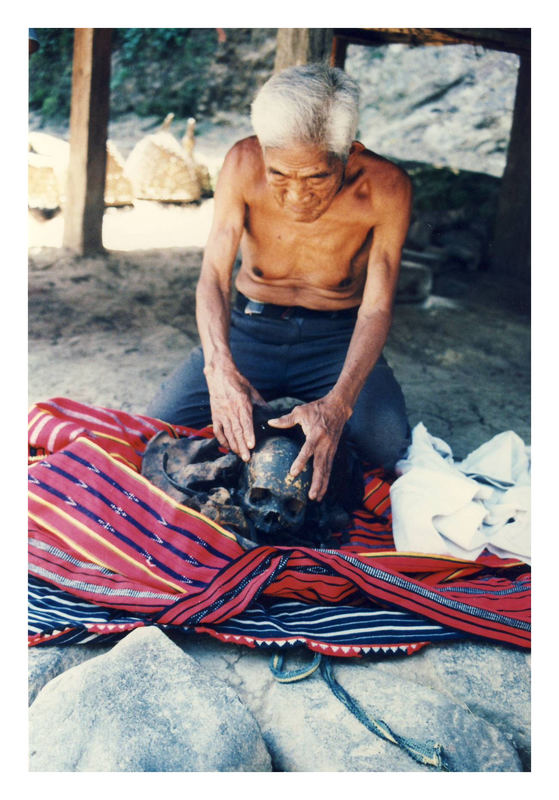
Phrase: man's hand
x=231 y=400
x=322 y=422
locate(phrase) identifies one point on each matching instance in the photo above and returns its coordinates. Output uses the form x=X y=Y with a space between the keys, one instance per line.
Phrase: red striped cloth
x=100 y=530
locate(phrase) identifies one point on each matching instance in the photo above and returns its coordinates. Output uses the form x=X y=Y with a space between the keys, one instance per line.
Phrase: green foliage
x=153 y=71
x=165 y=67
x=50 y=73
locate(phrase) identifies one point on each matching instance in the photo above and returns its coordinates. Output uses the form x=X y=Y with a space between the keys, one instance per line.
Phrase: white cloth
x=460 y=509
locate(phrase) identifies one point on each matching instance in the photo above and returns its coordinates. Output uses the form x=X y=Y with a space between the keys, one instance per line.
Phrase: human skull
x=275 y=501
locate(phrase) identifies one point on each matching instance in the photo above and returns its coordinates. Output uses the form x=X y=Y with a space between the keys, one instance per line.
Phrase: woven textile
x=109 y=551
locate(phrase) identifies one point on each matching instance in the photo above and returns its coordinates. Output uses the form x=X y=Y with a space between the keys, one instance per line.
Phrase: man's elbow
x=212 y=282
x=380 y=314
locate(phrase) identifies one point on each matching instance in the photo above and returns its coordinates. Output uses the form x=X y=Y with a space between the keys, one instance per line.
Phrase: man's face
x=303 y=179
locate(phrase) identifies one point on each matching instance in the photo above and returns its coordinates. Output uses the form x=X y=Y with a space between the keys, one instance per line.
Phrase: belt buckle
x=254 y=307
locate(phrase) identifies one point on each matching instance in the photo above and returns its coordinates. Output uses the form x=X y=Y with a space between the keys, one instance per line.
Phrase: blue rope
x=285 y=676
x=428 y=754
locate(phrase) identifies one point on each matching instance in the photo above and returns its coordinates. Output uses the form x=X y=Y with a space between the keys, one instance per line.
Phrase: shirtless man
x=321 y=222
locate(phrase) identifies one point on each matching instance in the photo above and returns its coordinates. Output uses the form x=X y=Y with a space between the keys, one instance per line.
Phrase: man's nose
x=297 y=193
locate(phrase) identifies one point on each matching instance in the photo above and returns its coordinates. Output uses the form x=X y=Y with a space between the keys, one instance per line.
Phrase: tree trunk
x=89 y=118
x=511 y=252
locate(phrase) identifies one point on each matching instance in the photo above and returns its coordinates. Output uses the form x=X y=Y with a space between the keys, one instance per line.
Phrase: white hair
x=311 y=104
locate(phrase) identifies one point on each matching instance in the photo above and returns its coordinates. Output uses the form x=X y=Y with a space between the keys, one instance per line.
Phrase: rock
x=45 y=663
x=145 y=706
x=449 y=106
x=306 y=728
x=492 y=680
x=495 y=684
x=464 y=246
x=415 y=282
x=433 y=257
x=419 y=234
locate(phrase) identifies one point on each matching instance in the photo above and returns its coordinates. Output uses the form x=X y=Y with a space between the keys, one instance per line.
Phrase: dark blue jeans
x=302 y=358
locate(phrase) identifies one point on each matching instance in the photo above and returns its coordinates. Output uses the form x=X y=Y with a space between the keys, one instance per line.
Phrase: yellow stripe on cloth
x=103 y=435
x=98 y=538
x=137 y=476
x=377 y=483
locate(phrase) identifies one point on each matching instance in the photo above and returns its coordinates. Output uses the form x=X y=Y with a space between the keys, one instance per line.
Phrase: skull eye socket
x=258 y=495
x=294 y=506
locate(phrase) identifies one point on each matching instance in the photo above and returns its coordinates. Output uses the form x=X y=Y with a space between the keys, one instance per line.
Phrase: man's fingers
x=246 y=431
x=318 y=486
x=322 y=466
x=235 y=435
x=300 y=462
x=287 y=421
x=219 y=435
x=225 y=434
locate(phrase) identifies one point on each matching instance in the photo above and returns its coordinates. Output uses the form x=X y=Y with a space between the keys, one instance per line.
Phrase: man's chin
x=304 y=215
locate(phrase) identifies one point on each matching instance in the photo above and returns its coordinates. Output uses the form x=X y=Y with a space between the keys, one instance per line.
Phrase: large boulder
x=492 y=680
x=306 y=728
x=45 y=663
x=145 y=706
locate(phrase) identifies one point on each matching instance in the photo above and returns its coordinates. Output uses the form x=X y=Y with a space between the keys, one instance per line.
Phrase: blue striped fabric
x=274 y=622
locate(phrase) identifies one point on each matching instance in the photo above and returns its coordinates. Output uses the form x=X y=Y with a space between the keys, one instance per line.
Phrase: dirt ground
x=106 y=330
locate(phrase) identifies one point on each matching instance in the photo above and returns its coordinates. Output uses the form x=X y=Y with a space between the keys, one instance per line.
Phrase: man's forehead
x=302 y=157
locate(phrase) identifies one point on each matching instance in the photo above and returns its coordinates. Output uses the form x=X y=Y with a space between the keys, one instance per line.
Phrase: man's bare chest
x=337 y=238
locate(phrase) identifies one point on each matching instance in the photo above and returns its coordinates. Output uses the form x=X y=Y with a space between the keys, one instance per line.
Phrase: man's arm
x=231 y=395
x=323 y=420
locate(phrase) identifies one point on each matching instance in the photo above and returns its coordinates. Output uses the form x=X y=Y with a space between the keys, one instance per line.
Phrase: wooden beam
x=89 y=118
x=302 y=46
x=512 y=40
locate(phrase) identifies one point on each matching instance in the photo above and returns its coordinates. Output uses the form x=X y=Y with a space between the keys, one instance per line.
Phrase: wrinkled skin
x=316 y=232
x=322 y=422
x=231 y=400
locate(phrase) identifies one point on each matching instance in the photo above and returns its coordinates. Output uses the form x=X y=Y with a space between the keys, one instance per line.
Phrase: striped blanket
x=110 y=552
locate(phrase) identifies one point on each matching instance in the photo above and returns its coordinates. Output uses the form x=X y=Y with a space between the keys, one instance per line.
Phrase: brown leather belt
x=254 y=308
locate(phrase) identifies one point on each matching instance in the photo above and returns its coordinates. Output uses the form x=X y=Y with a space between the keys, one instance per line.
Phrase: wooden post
x=89 y=118
x=338 y=52
x=302 y=46
x=511 y=251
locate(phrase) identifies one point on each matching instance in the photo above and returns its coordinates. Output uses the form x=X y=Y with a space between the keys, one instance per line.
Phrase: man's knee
x=183 y=398
x=382 y=438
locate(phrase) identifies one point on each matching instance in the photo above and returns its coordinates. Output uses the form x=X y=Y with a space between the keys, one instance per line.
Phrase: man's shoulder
x=387 y=174
x=386 y=187
x=243 y=167
x=245 y=152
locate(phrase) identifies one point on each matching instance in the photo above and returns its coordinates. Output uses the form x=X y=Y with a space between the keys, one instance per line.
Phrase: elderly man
x=321 y=222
